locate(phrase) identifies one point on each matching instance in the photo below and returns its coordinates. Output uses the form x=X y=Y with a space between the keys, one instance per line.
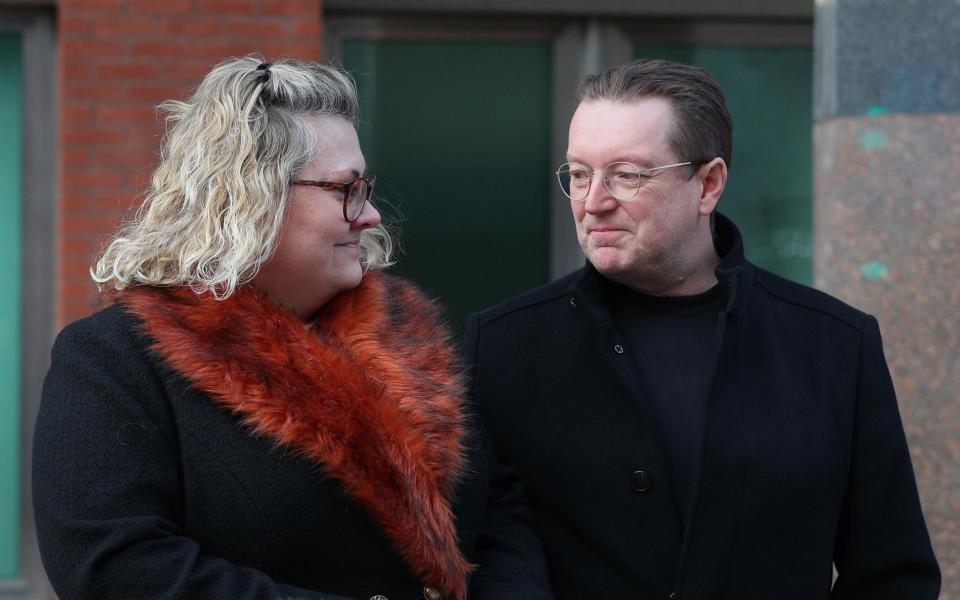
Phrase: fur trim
x=372 y=390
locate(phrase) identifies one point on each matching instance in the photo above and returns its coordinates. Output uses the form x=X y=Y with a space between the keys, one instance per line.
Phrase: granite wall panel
x=887 y=237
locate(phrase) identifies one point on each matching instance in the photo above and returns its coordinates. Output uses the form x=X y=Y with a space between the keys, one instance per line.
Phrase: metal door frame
x=36 y=27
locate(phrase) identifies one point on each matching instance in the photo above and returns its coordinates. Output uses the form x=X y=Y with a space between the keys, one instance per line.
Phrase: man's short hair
x=702 y=129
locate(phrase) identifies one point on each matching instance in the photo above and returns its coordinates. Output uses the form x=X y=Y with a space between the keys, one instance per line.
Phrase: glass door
x=770 y=191
x=458 y=133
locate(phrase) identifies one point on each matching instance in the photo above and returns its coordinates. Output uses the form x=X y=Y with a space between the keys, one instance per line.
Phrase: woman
x=259 y=413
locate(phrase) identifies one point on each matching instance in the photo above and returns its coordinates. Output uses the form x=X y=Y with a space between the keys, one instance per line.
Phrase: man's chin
x=607 y=261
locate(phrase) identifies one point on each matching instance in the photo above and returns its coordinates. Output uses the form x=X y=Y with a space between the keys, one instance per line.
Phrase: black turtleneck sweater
x=672 y=340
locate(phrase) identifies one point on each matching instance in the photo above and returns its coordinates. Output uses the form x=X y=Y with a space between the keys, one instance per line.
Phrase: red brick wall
x=118 y=59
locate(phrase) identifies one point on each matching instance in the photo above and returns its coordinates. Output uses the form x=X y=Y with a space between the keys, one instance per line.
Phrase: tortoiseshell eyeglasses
x=356 y=193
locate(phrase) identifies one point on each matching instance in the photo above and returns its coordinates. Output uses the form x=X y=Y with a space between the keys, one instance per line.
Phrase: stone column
x=887 y=217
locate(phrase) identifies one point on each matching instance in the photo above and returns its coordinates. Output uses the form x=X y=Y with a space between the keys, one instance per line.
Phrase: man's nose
x=599 y=199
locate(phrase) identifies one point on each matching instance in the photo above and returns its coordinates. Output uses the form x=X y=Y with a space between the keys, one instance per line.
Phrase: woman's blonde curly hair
x=215 y=206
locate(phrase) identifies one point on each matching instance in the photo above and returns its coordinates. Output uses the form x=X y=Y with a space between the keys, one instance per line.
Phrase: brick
x=96 y=226
x=76 y=157
x=220 y=50
x=86 y=134
x=189 y=73
x=227 y=7
x=77 y=112
x=126 y=69
x=258 y=28
x=77 y=289
x=79 y=296
x=155 y=93
x=139 y=179
x=71 y=268
x=163 y=7
x=126 y=114
x=126 y=26
x=67 y=6
x=93 y=240
x=75 y=201
x=90 y=179
x=164 y=51
x=117 y=202
x=148 y=138
x=85 y=245
x=75 y=271
x=125 y=157
x=305 y=51
x=192 y=26
x=306 y=8
x=74 y=267
x=76 y=26
x=76 y=70
x=95 y=92
x=307 y=29
x=69 y=313
x=92 y=48
x=75 y=278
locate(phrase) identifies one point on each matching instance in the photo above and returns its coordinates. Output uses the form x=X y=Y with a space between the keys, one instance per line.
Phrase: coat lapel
x=371 y=391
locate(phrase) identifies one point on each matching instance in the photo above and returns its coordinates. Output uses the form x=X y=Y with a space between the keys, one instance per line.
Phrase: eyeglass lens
x=356 y=198
x=622 y=180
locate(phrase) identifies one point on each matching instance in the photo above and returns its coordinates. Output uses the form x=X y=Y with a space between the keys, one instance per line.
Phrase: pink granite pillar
x=887 y=217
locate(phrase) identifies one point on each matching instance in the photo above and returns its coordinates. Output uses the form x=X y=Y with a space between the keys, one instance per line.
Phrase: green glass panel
x=10 y=174
x=769 y=193
x=458 y=134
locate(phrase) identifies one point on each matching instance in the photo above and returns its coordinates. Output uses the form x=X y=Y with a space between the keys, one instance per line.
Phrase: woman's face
x=318 y=254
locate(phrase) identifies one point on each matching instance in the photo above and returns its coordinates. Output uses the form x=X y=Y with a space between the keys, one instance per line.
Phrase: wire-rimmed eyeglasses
x=622 y=179
x=356 y=193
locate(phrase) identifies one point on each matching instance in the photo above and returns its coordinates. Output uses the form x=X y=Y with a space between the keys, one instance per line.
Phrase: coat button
x=642 y=481
x=379 y=597
x=618 y=349
x=673 y=596
x=573 y=302
x=431 y=593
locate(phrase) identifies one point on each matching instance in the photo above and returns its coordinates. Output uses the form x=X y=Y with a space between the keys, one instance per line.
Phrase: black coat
x=804 y=463
x=146 y=487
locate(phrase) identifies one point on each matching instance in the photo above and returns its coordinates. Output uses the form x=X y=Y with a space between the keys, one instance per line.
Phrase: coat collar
x=734 y=272
x=371 y=390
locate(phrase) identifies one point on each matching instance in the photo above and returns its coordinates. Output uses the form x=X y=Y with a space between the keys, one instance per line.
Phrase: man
x=686 y=424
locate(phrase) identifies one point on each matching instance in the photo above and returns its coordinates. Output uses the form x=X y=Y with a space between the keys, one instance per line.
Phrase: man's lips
x=604 y=236
x=350 y=244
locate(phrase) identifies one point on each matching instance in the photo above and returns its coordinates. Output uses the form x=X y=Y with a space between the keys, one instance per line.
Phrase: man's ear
x=713 y=176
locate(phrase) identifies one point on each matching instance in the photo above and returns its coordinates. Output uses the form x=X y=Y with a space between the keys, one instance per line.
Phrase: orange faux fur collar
x=371 y=390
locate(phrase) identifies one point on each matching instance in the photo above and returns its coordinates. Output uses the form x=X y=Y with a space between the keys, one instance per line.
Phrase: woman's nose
x=369 y=217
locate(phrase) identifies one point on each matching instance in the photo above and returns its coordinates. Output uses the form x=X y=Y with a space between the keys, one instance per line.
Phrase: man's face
x=644 y=238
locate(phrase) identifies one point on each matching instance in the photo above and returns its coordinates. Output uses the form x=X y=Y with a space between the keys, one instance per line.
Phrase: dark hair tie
x=265 y=76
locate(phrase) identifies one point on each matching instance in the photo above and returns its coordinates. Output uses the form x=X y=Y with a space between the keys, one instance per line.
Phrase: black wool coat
x=804 y=463
x=195 y=449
